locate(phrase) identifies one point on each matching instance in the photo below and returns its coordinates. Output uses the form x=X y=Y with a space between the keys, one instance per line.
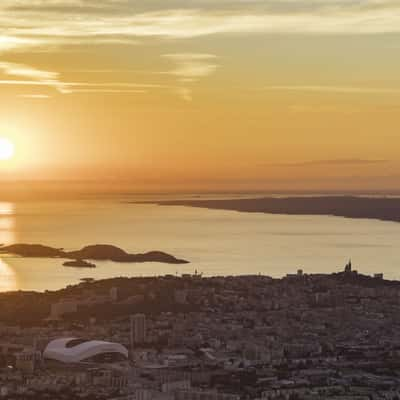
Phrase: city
x=205 y=338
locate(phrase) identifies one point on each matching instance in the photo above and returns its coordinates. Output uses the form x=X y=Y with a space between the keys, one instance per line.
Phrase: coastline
x=356 y=207
x=35 y=305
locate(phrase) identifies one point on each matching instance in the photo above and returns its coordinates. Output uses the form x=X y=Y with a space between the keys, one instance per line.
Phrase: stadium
x=73 y=350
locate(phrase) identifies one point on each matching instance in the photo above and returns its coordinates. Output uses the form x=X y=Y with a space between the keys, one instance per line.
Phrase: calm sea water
x=216 y=242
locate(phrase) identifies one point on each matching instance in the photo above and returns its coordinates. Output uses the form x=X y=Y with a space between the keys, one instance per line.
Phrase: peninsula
x=99 y=252
x=381 y=208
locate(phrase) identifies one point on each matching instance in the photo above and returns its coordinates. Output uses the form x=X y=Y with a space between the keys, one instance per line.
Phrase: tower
x=347 y=268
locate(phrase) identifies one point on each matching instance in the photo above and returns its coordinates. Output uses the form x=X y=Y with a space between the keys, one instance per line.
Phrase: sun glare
x=6 y=149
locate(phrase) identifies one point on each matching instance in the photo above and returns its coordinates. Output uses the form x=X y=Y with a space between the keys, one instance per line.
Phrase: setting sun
x=6 y=149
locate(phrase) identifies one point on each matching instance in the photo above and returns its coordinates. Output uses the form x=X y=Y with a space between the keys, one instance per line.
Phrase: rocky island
x=79 y=264
x=98 y=252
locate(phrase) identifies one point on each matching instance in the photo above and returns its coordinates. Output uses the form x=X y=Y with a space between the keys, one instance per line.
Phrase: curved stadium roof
x=72 y=350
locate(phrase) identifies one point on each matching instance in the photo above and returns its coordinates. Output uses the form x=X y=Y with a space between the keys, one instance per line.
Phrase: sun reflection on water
x=8 y=279
x=7 y=223
x=6 y=208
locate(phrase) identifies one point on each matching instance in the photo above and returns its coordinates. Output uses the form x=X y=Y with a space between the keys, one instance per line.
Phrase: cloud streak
x=189 y=68
x=61 y=22
x=334 y=89
x=14 y=43
x=334 y=162
x=36 y=76
x=39 y=78
x=34 y=96
x=46 y=25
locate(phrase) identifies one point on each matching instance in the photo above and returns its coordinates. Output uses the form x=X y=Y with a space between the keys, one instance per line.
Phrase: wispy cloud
x=27 y=72
x=34 y=96
x=109 y=91
x=334 y=162
x=334 y=89
x=40 y=78
x=112 y=87
x=14 y=43
x=184 y=93
x=48 y=24
x=37 y=76
x=31 y=22
x=189 y=68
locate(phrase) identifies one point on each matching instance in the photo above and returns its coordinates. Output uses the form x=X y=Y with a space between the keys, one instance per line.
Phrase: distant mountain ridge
x=98 y=252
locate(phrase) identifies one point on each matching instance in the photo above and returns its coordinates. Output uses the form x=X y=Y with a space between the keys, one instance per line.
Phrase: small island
x=79 y=264
x=97 y=252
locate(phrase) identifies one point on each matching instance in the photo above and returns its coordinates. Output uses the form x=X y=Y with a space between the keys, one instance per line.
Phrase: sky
x=201 y=95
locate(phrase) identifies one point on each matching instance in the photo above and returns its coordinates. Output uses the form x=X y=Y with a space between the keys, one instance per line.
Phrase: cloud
x=27 y=72
x=334 y=162
x=192 y=66
x=189 y=68
x=14 y=43
x=109 y=91
x=48 y=23
x=112 y=87
x=36 y=76
x=184 y=93
x=117 y=85
x=194 y=23
x=334 y=89
x=34 y=96
x=51 y=79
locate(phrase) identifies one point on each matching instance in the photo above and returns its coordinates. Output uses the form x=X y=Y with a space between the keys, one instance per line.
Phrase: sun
x=7 y=149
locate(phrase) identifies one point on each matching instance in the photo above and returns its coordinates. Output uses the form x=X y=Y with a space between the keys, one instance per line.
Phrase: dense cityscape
x=196 y=338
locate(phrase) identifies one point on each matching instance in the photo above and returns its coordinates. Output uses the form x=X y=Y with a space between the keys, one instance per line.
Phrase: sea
x=217 y=243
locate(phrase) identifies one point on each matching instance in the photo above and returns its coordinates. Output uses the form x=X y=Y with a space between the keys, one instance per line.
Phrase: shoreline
x=385 y=209
x=354 y=276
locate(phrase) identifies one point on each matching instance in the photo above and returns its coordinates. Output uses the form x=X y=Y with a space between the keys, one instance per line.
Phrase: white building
x=72 y=350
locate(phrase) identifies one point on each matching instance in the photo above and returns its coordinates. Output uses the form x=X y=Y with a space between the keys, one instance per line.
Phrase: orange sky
x=202 y=95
